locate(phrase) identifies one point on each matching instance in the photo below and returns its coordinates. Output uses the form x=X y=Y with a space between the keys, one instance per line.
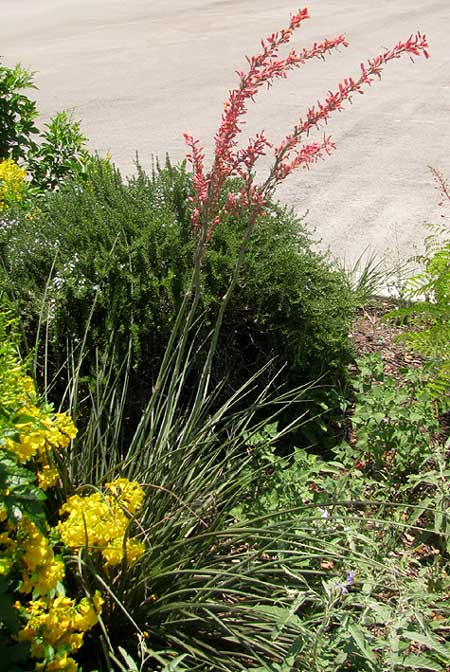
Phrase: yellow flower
x=3 y=513
x=90 y=522
x=65 y=425
x=35 y=607
x=134 y=550
x=60 y=623
x=37 y=439
x=63 y=664
x=12 y=183
x=47 y=477
x=28 y=446
x=86 y=614
x=41 y=571
x=5 y=565
x=101 y=523
x=129 y=493
x=114 y=553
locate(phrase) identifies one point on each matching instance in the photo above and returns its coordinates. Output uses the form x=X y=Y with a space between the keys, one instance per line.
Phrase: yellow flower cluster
x=52 y=619
x=39 y=430
x=100 y=522
x=41 y=571
x=30 y=433
x=60 y=623
x=12 y=183
x=38 y=437
x=16 y=389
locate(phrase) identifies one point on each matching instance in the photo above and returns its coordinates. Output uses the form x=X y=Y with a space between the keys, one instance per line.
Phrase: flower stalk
x=292 y=153
x=229 y=160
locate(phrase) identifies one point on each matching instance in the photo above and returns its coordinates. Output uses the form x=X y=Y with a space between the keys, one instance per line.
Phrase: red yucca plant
x=293 y=152
x=208 y=203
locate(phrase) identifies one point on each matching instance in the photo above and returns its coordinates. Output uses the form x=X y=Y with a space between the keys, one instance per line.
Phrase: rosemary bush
x=114 y=256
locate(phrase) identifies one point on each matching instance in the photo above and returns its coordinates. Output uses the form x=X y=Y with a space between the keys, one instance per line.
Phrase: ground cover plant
x=196 y=544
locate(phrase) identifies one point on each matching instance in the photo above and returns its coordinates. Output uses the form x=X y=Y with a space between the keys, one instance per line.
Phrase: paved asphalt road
x=139 y=72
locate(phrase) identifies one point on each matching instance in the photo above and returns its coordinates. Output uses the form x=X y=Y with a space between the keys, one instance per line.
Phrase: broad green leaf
x=420 y=662
x=359 y=638
x=429 y=641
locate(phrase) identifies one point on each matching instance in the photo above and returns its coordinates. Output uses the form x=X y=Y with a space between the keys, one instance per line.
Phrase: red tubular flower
x=263 y=69
x=200 y=180
x=304 y=157
x=316 y=115
x=251 y=153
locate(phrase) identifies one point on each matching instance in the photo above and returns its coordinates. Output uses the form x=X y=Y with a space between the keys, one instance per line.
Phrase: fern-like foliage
x=428 y=314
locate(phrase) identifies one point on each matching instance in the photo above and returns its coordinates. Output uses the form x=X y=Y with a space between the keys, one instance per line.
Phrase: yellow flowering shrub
x=38 y=431
x=100 y=522
x=12 y=183
x=50 y=623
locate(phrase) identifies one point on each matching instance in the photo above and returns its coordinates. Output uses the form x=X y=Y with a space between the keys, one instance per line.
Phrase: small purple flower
x=349 y=581
x=350 y=578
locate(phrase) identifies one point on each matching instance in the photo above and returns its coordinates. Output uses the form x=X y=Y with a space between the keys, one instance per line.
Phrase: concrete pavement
x=139 y=73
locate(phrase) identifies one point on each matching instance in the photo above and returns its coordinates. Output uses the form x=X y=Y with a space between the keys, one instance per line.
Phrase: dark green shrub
x=104 y=248
x=291 y=302
x=119 y=253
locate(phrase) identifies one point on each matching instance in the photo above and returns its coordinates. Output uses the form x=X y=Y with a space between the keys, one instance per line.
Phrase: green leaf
x=431 y=642
x=174 y=665
x=420 y=662
x=358 y=637
x=132 y=666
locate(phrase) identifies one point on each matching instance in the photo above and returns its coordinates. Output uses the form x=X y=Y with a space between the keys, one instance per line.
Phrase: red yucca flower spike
x=263 y=69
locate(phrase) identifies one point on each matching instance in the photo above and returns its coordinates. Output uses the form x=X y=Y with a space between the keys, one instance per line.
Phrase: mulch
x=372 y=333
